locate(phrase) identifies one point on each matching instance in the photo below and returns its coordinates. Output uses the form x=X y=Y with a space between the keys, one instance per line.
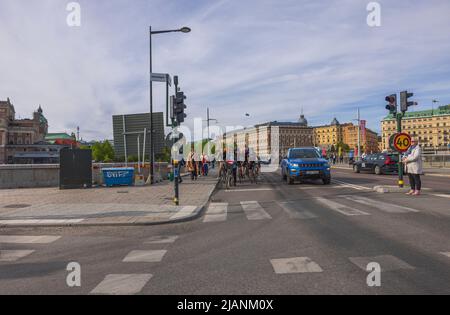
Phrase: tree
x=102 y=151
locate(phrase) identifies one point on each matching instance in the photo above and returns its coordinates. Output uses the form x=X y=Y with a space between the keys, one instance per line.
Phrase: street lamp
x=152 y=147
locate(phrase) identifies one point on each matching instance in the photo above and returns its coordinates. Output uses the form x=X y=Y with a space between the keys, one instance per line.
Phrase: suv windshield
x=304 y=154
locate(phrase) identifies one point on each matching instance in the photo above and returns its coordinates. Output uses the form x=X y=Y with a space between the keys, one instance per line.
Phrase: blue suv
x=305 y=163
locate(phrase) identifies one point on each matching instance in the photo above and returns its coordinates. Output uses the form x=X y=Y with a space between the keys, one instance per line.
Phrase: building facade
x=21 y=137
x=128 y=128
x=331 y=135
x=270 y=138
x=430 y=127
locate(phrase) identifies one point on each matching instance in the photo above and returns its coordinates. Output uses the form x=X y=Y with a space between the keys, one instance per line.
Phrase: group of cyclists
x=239 y=167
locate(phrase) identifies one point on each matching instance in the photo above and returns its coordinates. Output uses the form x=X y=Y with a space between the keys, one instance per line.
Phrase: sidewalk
x=145 y=205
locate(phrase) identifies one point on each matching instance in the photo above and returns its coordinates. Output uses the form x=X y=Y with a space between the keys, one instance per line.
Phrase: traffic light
x=404 y=102
x=179 y=107
x=392 y=106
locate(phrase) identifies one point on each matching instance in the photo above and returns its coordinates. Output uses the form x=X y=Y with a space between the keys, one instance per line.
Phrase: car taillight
x=389 y=161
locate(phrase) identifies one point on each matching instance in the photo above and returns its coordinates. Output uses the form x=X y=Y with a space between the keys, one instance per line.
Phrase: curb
x=196 y=214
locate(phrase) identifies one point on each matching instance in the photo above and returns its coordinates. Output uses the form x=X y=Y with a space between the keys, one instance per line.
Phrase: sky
x=267 y=58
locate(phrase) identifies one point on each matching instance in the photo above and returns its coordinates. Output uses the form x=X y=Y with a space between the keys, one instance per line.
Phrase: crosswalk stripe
x=184 y=212
x=217 y=211
x=13 y=255
x=122 y=284
x=446 y=254
x=343 y=209
x=295 y=265
x=294 y=213
x=254 y=211
x=383 y=206
x=145 y=256
x=441 y=195
x=161 y=239
x=357 y=187
x=21 y=239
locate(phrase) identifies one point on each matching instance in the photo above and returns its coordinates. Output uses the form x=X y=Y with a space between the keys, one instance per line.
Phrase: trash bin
x=118 y=176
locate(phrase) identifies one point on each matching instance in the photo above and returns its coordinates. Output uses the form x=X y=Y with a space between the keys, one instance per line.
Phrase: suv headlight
x=294 y=165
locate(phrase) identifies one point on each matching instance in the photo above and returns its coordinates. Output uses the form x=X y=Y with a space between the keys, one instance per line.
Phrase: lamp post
x=152 y=147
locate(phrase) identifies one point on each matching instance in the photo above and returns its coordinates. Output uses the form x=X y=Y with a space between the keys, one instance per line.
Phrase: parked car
x=379 y=163
x=305 y=163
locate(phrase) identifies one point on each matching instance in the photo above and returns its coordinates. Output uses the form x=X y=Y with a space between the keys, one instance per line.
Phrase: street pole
x=175 y=161
x=151 y=113
x=400 y=163
x=359 y=136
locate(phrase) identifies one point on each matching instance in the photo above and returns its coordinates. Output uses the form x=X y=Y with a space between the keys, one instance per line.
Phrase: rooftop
x=441 y=110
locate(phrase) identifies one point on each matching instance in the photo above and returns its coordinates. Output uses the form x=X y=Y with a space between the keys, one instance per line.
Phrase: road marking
x=40 y=221
x=343 y=209
x=13 y=255
x=349 y=185
x=250 y=189
x=441 y=195
x=122 y=284
x=446 y=254
x=383 y=206
x=216 y=212
x=387 y=262
x=145 y=256
x=184 y=212
x=294 y=265
x=161 y=239
x=254 y=211
x=293 y=211
x=19 y=239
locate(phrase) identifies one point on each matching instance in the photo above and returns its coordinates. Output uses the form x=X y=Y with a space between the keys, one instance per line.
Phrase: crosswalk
x=12 y=255
x=347 y=205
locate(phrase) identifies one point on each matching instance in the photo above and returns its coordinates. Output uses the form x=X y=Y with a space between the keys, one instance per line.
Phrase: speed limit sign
x=401 y=142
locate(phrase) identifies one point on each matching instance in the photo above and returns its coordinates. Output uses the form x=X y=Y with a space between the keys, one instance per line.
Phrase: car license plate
x=312 y=172
x=363 y=164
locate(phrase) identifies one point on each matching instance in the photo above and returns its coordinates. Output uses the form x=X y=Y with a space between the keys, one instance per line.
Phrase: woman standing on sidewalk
x=414 y=168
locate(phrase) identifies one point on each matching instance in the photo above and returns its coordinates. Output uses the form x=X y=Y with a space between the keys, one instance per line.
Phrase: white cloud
x=264 y=57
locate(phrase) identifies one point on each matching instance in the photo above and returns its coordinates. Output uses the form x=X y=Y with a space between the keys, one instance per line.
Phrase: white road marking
x=216 y=212
x=250 y=189
x=145 y=256
x=387 y=262
x=13 y=255
x=441 y=195
x=122 y=284
x=185 y=211
x=19 y=239
x=293 y=212
x=446 y=254
x=294 y=265
x=254 y=211
x=343 y=209
x=383 y=206
x=349 y=185
x=40 y=221
x=161 y=239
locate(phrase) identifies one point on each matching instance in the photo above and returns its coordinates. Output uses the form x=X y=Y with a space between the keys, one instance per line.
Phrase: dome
x=335 y=122
x=302 y=121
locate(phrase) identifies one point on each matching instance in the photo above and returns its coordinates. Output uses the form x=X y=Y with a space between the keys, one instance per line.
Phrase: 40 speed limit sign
x=400 y=142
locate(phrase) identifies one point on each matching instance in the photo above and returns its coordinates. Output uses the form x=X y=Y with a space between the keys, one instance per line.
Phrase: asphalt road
x=269 y=238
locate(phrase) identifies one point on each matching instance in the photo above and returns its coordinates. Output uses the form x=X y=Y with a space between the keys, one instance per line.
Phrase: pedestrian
x=205 y=164
x=414 y=168
x=192 y=165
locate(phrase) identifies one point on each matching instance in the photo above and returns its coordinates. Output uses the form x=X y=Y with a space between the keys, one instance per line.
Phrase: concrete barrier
x=47 y=175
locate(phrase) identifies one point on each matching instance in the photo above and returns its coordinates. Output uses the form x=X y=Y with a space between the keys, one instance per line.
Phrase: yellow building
x=331 y=135
x=430 y=127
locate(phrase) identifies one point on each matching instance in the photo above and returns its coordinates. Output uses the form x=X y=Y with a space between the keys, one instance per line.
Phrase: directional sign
x=401 y=142
x=161 y=77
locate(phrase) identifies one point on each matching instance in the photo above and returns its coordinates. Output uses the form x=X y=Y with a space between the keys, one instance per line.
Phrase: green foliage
x=344 y=147
x=103 y=151
x=164 y=156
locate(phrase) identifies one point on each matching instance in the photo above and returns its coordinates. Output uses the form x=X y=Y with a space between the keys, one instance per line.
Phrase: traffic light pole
x=175 y=162
x=400 y=163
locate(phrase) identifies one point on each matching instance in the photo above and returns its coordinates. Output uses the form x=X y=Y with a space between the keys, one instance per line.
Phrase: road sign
x=160 y=77
x=401 y=142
